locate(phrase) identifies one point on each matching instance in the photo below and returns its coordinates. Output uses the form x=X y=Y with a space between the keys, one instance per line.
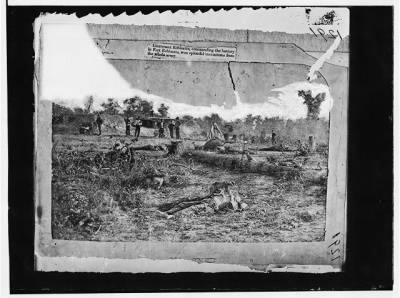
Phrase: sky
x=73 y=68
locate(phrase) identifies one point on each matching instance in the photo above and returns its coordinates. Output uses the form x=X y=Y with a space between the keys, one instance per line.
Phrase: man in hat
x=127 y=126
x=273 y=138
x=171 y=127
x=177 y=130
x=161 y=129
x=138 y=124
x=99 y=122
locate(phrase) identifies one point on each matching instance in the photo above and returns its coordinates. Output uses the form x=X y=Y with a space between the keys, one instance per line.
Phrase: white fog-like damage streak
x=286 y=104
x=321 y=60
x=70 y=74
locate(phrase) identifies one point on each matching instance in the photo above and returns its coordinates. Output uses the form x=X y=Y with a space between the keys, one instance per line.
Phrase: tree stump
x=176 y=148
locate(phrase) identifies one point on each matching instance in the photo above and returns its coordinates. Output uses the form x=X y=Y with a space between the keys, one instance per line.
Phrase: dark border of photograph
x=369 y=262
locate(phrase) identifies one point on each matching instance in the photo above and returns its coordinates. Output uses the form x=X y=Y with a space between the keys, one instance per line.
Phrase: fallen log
x=276 y=148
x=231 y=149
x=149 y=148
x=240 y=162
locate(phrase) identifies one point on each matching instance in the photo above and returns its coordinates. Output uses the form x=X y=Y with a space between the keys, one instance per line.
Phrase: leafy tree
x=131 y=105
x=213 y=118
x=313 y=103
x=228 y=128
x=136 y=106
x=78 y=110
x=238 y=122
x=258 y=118
x=189 y=118
x=249 y=119
x=163 y=110
x=59 y=112
x=146 y=108
x=111 y=106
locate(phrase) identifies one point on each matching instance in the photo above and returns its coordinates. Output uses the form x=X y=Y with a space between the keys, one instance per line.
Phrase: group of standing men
x=174 y=125
x=136 y=123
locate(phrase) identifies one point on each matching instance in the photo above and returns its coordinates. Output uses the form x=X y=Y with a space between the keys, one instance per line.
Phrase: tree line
x=134 y=106
x=251 y=125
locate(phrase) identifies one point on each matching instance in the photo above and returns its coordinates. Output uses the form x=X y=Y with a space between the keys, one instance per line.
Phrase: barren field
x=107 y=199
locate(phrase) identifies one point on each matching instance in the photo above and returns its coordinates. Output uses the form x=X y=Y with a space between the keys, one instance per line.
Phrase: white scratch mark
x=318 y=64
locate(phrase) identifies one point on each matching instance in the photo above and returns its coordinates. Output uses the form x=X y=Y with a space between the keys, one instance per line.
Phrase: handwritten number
x=313 y=32
x=339 y=34
x=335 y=251
x=336 y=242
x=335 y=258
x=331 y=32
x=322 y=33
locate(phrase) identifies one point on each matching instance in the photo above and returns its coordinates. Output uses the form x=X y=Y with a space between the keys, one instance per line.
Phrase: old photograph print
x=192 y=134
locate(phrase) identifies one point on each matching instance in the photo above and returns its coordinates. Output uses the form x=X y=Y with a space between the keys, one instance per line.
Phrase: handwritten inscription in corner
x=177 y=51
x=334 y=247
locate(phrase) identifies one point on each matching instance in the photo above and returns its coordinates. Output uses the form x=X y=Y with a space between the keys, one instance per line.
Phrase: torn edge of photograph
x=204 y=142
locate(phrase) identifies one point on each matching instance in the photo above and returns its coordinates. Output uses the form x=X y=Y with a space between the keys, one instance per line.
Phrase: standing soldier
x=273 y=138
x=127 y=126
x=138 y=124
x=171 y=127
x=99 y=122
x=234 y=138
x=177 y=125
x=161 y=129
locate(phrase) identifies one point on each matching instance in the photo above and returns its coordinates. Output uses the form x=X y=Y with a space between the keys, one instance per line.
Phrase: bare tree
x=88 y=104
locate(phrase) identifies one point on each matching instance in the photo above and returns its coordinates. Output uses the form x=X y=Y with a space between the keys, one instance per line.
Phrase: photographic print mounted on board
x=192 y=141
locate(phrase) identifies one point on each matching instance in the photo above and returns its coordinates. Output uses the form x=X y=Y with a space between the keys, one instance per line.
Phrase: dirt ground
x=279 y=209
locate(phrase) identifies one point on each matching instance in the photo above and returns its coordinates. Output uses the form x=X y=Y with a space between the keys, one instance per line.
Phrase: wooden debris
x=226 y=196
x=175 y=148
